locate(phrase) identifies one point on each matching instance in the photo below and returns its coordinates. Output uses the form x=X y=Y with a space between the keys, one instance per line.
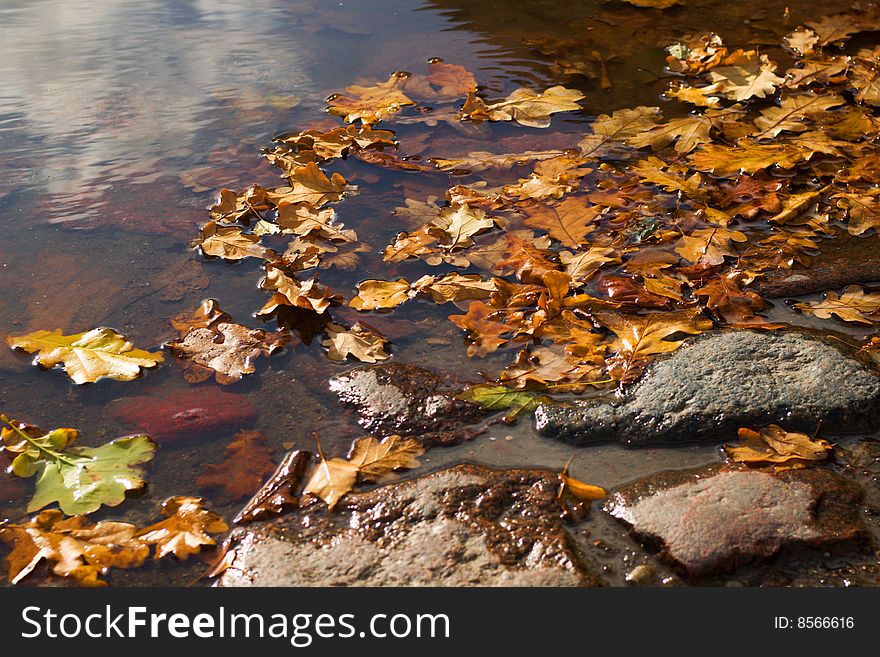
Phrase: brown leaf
x=280 y=492
x=185 y=530
x=73 y=547
x=230 y=243
x=371 y=104
x=484 y=332
x=773 y=444
x=247 y=460
x=288 y=291
x=852 y=305
x=609 y=132
x=365 y=344
x=310 y=185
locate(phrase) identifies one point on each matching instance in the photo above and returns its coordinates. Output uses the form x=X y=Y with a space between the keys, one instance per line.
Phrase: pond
x=121 y=121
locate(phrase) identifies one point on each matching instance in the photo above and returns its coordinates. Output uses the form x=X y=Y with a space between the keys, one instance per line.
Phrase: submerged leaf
x=773 y=444
x=185 y=530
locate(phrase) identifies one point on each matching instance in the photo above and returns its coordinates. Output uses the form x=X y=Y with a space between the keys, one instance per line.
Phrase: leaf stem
x=55 y=455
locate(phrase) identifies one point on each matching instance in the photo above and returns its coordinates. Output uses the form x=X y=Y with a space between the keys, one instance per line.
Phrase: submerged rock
x=464 y=526
x=410 y=401
x=176 y=416
x=719 y=382
x=710 y=520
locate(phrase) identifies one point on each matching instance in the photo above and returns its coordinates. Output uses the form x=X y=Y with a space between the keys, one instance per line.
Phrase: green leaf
x=78 y=479
x=498 y=398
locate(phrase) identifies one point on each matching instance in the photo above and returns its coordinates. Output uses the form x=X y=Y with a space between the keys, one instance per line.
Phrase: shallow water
x=119 y=121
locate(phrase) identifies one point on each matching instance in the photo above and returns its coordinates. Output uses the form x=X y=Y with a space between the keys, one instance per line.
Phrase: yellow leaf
x=853 y=305
x=73 y=547
x=528 y=107
x=374 y=294
x=88 y=356
x=567 y=222
x=369 y=458
x=773 y=444
x=373 y=103
x=611 y=131
x=358 y=341
x=230 y=243
x=185 y=530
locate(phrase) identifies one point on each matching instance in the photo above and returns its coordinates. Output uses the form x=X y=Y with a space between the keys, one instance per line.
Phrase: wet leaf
x=79 y=479
x=773 y=444
x=609 y=132
x=72 y=547
x=310 y=185
x=709 y=245
x=359 y=341
x=230 y=243
x=87 y=357
x=502 y=398
x=641 y=336
x=185 y=530
x=483 y=329
x=370 y=459
x=525 y=106
x=792 y=113
x=748 y=157
x=247 y=461
x=567 y=222
x=371 y=104
x=687 y=132
x=280 y=492
x=746 y=79
x=226 y=350
x=852 y=305
x=288 y=291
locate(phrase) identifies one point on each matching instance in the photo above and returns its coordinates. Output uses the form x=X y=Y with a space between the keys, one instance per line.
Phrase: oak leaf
x=230 y=243
x=226 y=350
x=484 y=161
x=73 y=547
x=288 y=291
x=185 y=530
x=567 y=222
x=87 y=357
x=371 y=104
x=501 y=398
x=78 y=479
x=483 y=329
x=310 y=185
x=747 y=157
x=359 y=341
x=852 y=305
x=862 y=210
x=746 y=79
x=641 y=336
x=525 y=106
x=687 y=132
x=775 y=445
x=792 y=112
x=610 y=132
x=709 y=245
x=247 y=460
x=370 y=459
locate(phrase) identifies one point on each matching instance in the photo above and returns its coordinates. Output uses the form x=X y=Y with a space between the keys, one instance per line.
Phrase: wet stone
x=718 y=382
x=712 y=520
x=842 y=261
x=408 y=400
x=464 y=526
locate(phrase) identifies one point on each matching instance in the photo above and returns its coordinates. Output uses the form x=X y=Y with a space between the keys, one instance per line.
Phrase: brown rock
x=465 y=526
x=712 y=520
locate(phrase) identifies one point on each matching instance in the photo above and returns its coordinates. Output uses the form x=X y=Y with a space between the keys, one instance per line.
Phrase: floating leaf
x=852 y=305
x=185 y=530
x=87 y=357
x=79 y=479
x=773 y=444
x=359 y=341
x=371 y=104
x=230 y=243
x=502 y=398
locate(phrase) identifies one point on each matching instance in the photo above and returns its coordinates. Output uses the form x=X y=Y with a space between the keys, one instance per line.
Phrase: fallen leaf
x=792 y=113
x=226 y=350
x=371 y=104
x=709 y=245
x=310 y=185
x=288 y=291
x=230 y=243
x=609 y=132
x=525 y=106
x=73 y=547
x=359 y=341
x=773 y=444
x=185 y=530
x=567 y=222
x=501 y=398
x=370 y=458
x=247 y=460
x=87 y=357
x=280 y=492
x=852 y=305
x=79 y=479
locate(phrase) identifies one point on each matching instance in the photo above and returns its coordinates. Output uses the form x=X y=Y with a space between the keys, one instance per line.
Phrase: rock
x=842 y=261
x=721 y=381
x=175 y=416
x=464 y=526
x=711 y=520
x=407 y=400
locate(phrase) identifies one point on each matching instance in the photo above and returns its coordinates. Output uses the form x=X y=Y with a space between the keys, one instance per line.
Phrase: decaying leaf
x=79 y=479
x=359 y=341
x=370 y=459
x=226 y=350
x=185 y=530
x=775 y=445
x=87 y=357
x=247 y=461
x=502 y=398
x=280 y=492
x=852 y=305
x=73 y=547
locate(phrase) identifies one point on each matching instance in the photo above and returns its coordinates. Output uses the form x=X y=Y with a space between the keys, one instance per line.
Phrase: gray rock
x=408 y=400
x=721 y=381
x=710 y=520
x=465 y=526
